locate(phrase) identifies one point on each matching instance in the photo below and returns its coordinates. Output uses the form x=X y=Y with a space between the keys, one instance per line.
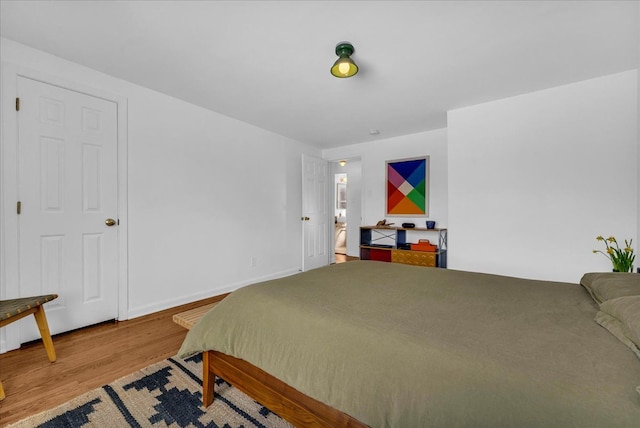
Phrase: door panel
x=68 y=186
x=315 y=213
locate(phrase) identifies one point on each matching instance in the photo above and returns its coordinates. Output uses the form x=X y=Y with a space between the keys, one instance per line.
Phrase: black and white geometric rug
x=166 y=394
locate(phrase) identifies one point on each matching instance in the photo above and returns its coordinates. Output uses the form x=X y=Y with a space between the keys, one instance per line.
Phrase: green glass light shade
x=344 y=66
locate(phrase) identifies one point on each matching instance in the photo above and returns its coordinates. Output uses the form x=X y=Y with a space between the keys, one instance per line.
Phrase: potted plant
x=621 y=258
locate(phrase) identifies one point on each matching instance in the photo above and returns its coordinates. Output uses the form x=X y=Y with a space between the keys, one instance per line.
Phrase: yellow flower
x=621 y=258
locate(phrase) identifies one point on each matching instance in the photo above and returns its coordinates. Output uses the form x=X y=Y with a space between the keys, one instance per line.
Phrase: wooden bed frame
x=277 y=396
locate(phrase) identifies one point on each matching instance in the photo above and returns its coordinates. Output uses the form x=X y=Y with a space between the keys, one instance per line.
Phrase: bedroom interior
x=529 y=138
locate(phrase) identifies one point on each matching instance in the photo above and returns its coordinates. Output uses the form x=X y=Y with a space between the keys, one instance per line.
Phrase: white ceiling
x=267 y=62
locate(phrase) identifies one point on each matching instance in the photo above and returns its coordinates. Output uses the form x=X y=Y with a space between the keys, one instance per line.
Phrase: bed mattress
x=403 y=346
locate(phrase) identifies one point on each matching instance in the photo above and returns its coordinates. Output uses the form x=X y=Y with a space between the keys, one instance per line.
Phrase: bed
x=377 y=344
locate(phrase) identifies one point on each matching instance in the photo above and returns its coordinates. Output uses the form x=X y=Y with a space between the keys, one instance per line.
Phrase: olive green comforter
x=404 y=346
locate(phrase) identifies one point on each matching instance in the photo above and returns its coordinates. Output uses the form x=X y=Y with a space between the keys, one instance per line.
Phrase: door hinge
x=17 y=104
x=19 y=207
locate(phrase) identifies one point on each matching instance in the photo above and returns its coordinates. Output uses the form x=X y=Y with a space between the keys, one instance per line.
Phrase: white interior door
x=67 y=185
x=315 y=212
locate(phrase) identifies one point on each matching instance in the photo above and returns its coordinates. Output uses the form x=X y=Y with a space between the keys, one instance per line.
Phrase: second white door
x=315 y=213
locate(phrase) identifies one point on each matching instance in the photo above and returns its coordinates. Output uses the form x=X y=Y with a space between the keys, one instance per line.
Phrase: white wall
x=206 y=192
x=374 y=155
x=535 y=178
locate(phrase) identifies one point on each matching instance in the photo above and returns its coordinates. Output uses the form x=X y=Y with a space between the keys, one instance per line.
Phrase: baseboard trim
x=183 y=300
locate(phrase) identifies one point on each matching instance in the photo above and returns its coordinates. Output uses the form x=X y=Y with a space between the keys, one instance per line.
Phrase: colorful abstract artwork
x=408 y=187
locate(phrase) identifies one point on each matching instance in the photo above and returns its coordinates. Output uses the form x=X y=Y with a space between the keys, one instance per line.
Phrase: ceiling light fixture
x=342 y=162
x=344 y=66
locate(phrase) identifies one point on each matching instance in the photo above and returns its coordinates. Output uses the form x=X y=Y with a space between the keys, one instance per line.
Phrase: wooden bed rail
x=287 y=402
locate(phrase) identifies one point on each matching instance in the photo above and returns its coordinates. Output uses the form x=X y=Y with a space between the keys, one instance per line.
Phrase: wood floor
x=341 y=258
x=87 y=359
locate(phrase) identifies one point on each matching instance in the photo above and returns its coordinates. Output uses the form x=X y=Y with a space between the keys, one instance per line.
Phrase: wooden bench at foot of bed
x=188 y=319
x=277 y=396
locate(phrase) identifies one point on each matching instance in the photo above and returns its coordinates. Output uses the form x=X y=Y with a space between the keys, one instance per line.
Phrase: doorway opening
x=347 y=208
x=340 y=214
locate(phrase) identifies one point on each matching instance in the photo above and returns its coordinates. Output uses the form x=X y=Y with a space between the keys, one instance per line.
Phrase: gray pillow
x=605 y=286
x=621 y=317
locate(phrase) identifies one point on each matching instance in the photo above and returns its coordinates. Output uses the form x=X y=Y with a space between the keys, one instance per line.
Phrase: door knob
x=305 y=218
x=110 y=222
